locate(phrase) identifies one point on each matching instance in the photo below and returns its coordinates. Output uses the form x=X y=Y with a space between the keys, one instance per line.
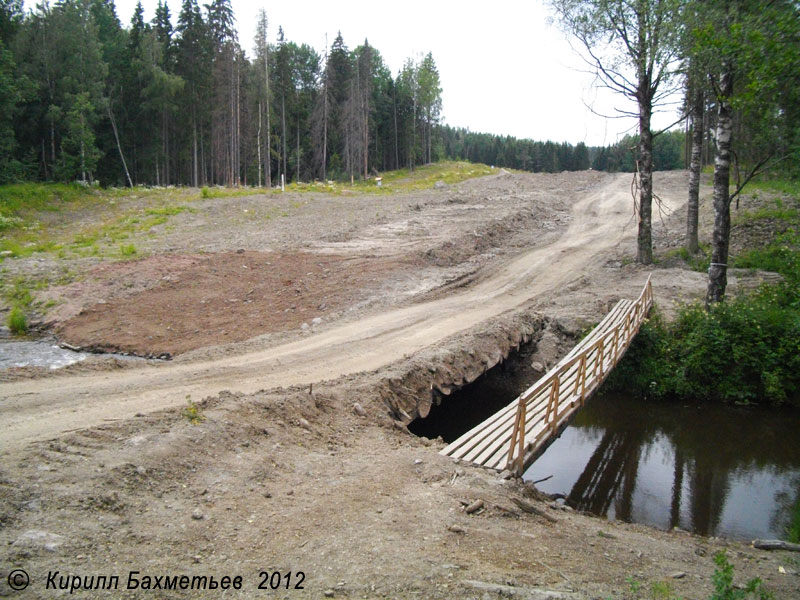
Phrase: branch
x=762 y=166
x=611 y=78
x=624 y=115
x=658 y=133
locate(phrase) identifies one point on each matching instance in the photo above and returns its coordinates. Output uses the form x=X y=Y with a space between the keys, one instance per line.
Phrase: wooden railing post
x=601 y=357
x=518 y=439
x=580 y=379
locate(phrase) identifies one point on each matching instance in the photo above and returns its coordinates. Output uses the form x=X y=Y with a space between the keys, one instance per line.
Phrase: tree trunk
x=258 y=144
x=297 y=175
x=268 y=156
x=718 y=271
x=644 y=246
x=119 y=147
x=396 y=144
x=283 y=129
x=697 y=101
x=195 y=177
x=325 y=123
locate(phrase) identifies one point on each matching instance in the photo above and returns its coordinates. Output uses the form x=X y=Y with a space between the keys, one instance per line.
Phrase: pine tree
x=193 y=65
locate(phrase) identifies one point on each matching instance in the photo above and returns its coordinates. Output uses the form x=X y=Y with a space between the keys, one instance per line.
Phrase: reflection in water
x=610 y=473
x=713 y=470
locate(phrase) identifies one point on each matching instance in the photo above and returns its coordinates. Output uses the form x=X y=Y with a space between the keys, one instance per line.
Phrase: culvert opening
x=472 y=404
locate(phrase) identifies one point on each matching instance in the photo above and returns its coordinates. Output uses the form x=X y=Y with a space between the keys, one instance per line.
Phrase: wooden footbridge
x=516 y=435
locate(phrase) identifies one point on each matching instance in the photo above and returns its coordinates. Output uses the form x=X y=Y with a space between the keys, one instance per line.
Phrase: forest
x=178 y=101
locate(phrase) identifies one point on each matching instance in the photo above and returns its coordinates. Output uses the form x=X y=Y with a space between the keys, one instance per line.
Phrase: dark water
x=710 y=469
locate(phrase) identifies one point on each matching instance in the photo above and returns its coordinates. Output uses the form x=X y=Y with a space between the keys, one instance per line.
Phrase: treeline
x=179 y=101
x=550 y=157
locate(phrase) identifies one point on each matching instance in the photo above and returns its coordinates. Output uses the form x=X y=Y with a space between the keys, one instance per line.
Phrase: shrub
x=192 y=412
x=724 y=589
x=16 y=321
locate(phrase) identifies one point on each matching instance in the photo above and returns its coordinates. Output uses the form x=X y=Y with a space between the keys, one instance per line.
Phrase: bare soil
x=294 y=455
x=225 y=297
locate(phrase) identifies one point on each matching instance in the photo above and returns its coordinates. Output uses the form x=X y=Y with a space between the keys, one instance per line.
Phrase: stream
x=714 y=470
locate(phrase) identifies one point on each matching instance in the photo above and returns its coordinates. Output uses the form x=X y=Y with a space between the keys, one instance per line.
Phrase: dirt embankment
x=305 y=463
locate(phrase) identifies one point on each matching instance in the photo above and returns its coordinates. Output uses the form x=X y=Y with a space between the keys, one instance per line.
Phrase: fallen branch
x=540 y=480
x=530 y=508
x=775 y=545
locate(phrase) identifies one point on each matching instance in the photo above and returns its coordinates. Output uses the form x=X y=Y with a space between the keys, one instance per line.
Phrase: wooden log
x=775 y=545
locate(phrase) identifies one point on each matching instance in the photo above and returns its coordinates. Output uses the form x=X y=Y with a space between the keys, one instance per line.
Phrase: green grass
x=401 y=180
x=779 y=213
x=724 y=588
x=781 y=256
x=696 y=262
x=230 y=192
x=29 y=227
x=19 y=293
x=128 y=250
x=785 y=206
x=21 y=197
x=16 y=321
x=793 y=530
x=781 y=186
x=25 y=208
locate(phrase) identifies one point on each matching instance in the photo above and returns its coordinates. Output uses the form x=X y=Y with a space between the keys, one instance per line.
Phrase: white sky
x=503 y=69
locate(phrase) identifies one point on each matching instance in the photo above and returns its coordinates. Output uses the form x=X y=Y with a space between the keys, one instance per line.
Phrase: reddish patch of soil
x=227 y=297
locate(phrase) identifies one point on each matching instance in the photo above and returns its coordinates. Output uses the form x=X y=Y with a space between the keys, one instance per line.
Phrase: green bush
x=745 y=350
x=16 y=321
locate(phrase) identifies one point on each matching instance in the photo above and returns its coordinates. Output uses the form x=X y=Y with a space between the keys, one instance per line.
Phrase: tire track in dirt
x=41 y=409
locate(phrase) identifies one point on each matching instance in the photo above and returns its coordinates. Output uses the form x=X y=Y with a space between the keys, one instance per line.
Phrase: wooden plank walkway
x=514 y=436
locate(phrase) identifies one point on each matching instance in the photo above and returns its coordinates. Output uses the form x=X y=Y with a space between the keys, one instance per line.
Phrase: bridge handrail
x=626 y=326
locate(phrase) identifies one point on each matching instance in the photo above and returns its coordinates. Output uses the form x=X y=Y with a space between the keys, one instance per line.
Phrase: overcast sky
x=503 y=69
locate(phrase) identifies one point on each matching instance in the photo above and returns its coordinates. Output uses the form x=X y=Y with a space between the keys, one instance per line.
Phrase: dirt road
x=41 y=409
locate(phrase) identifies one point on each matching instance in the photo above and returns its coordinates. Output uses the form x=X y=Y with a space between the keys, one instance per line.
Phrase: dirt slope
x=35 y=410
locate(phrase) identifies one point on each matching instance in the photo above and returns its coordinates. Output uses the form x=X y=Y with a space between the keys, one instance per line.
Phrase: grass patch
x=19 y=293
x=16 y=321
x=43 y=217
x=781 y=256
x=230 y=192
x=781 y=186
x=696 y=262
x=402 y=180
x=24 y=197
x=128 y=250
x=168 y=211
